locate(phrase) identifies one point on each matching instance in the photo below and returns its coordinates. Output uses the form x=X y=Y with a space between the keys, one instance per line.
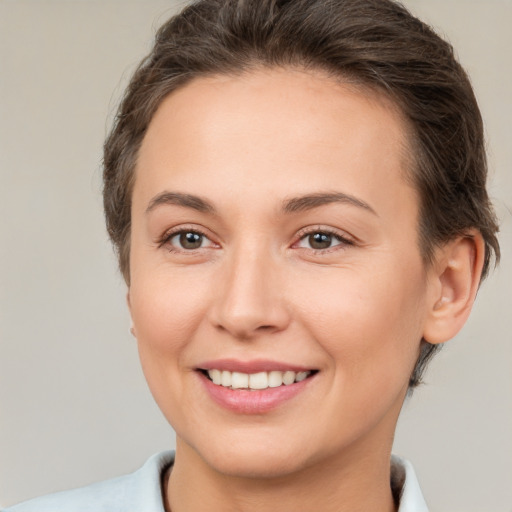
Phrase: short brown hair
x=376 y=43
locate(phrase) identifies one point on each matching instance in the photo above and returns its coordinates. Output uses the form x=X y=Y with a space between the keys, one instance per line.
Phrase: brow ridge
x=181 y=199
x=311 y=201
x=292 y=205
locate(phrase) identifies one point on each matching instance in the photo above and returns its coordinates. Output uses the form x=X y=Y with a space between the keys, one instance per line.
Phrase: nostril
x=244 y=328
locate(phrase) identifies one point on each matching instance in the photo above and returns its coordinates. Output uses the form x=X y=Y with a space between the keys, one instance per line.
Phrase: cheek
x=166 y=308
x=370 y=323
x=166 y=313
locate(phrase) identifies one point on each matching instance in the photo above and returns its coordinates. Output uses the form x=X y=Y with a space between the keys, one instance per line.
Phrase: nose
x=250 y=298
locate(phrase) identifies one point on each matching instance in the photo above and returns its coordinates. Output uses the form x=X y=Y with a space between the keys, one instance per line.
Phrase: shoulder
x=139 y=491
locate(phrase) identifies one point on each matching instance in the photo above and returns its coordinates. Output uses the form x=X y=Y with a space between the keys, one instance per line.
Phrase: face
x=277 y=289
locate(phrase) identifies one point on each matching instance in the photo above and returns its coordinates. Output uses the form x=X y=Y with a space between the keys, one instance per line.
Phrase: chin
x=258 y=465
x=253 y=457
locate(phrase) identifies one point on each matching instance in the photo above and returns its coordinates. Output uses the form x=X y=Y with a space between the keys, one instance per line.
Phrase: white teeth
x=275 y=379
x=288 y=378
x=216 y=376
x=239 y=380
x=260 y=380
x=226 y=379
x=301 y=376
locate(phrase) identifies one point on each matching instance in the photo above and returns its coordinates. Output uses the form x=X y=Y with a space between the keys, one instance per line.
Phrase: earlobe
x=454 y=282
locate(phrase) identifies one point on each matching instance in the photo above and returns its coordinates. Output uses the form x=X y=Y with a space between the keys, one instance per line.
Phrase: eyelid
x=167 y=236
x=342 y=236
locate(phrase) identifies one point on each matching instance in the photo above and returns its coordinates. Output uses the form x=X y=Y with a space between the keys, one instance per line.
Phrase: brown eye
x=320 y=240
x=323 y=240
x=188 y=240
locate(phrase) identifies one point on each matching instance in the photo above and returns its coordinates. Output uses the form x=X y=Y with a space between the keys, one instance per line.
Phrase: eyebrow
x=293 y=205
x=179 y=199
x=311 y=201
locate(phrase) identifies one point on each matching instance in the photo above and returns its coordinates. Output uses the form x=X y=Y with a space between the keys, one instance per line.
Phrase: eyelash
x=344 y=241
x=169 y=235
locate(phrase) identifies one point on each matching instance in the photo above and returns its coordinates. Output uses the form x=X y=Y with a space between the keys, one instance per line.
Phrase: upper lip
x=254 y=366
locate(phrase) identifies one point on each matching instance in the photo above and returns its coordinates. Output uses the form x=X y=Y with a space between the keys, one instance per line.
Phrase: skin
x=256 y=289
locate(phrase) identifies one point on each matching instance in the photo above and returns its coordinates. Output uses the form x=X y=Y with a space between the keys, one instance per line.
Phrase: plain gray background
x=74 y=407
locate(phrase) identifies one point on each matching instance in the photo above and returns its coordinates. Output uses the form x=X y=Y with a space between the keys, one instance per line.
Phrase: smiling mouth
x=255 y=381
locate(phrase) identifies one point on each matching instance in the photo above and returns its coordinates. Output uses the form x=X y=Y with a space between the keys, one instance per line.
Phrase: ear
x=453 y=282
x=132 y=327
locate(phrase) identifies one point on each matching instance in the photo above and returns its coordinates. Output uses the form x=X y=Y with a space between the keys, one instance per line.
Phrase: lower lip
x=253 y=402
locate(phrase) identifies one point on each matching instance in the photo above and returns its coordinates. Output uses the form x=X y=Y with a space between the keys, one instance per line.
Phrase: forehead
x=297 y=130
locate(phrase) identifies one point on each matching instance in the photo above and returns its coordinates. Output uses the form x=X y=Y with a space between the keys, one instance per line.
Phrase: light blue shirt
x=142 y=491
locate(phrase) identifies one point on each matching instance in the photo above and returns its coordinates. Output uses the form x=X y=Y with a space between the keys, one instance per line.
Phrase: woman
x=296 y=191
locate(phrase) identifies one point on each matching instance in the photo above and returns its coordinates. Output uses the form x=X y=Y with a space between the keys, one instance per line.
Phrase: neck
x=359 y=482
